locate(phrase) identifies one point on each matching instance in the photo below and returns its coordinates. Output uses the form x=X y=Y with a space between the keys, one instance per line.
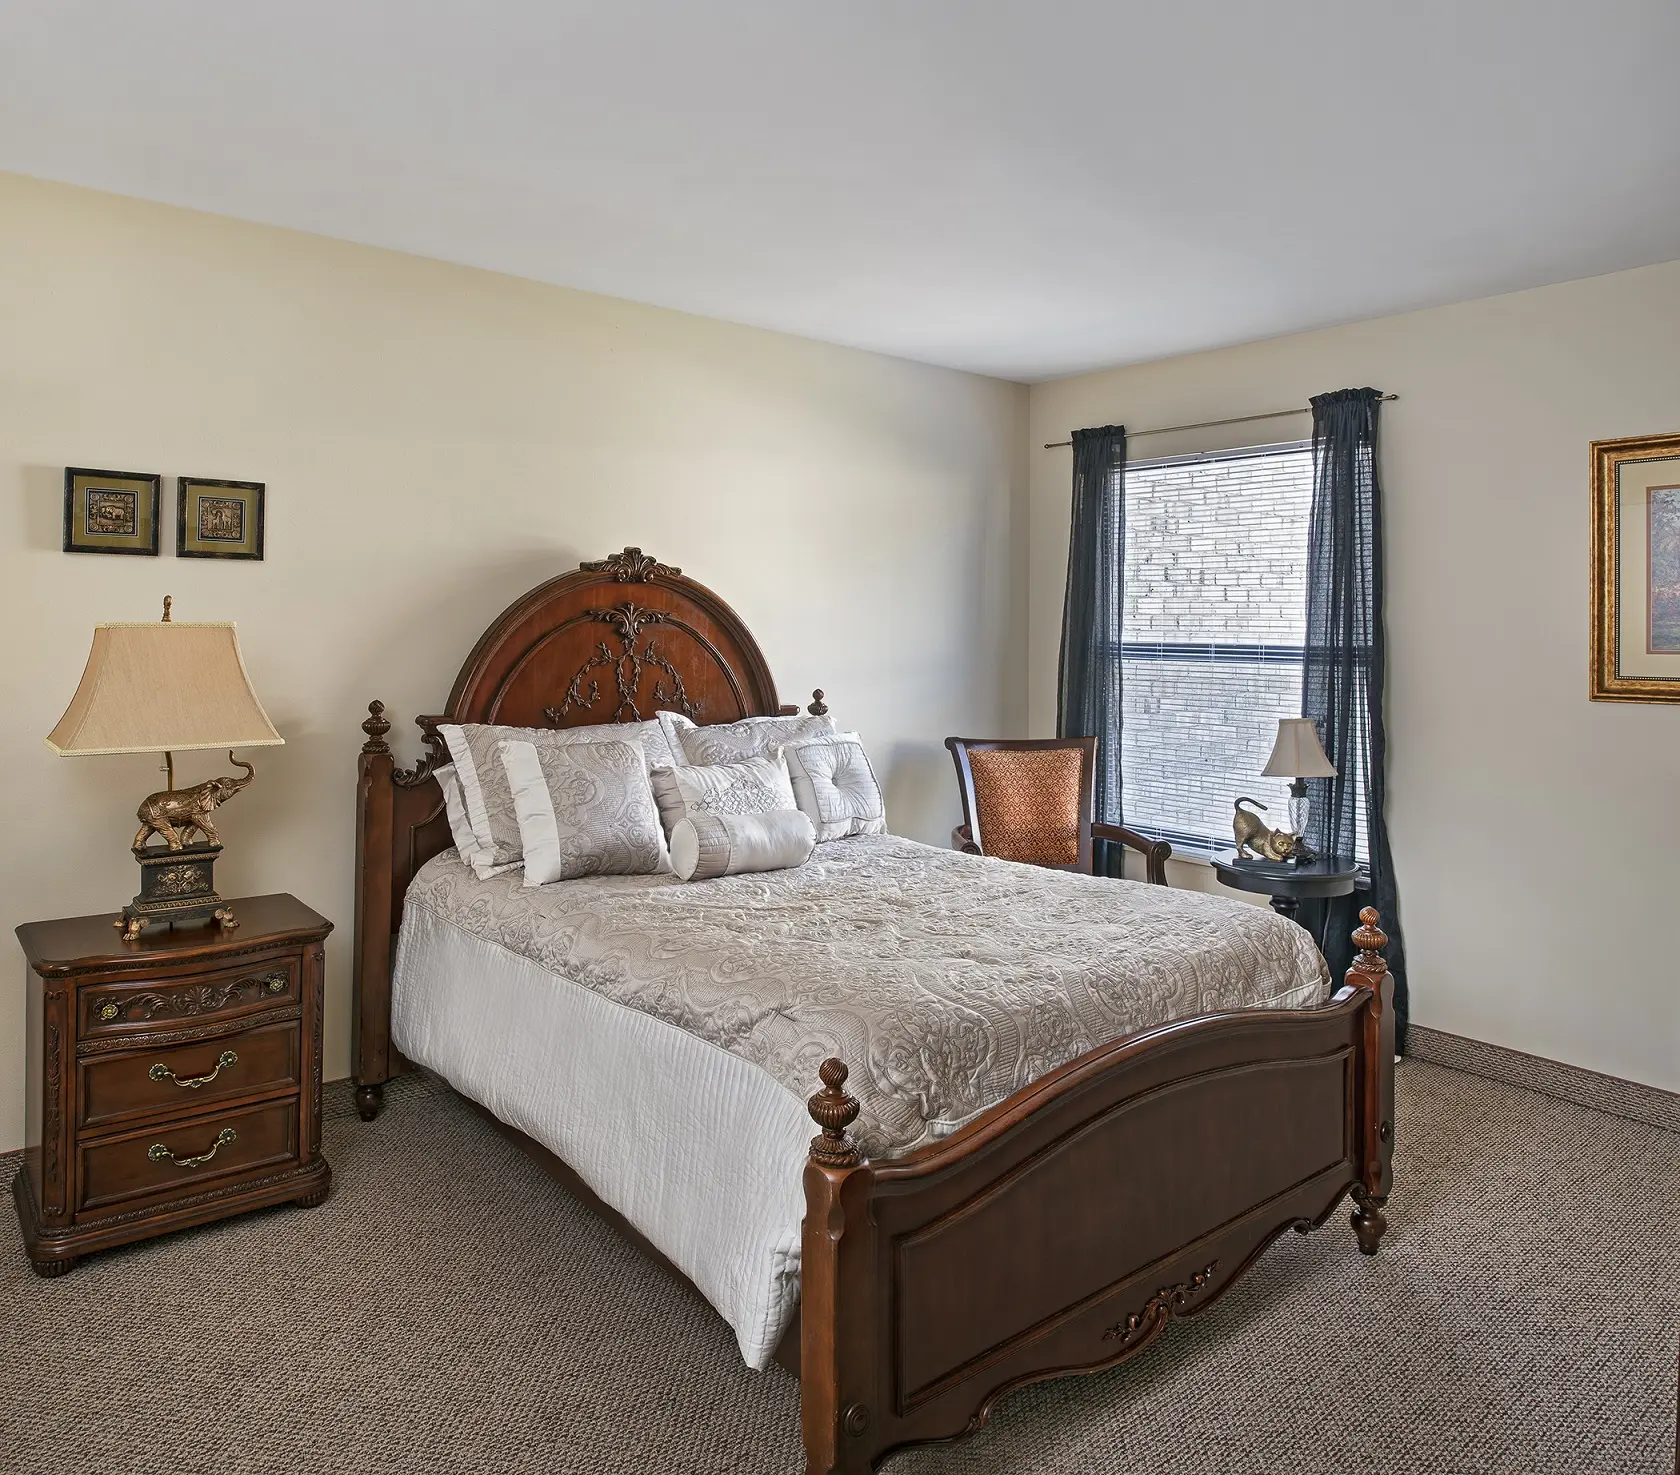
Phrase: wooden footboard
x=1064 y=1229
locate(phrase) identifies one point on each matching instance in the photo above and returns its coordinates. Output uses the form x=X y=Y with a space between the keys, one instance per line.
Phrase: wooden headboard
x=613 y=641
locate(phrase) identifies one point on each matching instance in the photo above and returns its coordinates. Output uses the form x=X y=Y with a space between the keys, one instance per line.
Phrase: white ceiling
x=1024 y=188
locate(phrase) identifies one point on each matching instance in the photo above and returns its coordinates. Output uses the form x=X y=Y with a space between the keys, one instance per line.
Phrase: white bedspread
x=661 y=1037
x=702 y=1151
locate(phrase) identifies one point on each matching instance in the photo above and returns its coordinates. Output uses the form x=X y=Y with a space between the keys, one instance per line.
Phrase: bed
x=1020 y=1171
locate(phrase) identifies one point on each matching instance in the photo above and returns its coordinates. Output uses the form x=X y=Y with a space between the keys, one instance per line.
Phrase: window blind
x=1212 y=630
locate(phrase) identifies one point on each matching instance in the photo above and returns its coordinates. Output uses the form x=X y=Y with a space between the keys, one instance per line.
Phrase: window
x=1211 y=636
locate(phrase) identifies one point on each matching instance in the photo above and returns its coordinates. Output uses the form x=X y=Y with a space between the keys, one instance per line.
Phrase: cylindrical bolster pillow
x=707 y=845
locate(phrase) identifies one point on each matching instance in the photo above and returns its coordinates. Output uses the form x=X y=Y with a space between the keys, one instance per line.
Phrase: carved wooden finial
x=1370 y=939
x=818 y=707
x=376 y=727
x=168 y=604
x=834 y=1111
x=631 y=566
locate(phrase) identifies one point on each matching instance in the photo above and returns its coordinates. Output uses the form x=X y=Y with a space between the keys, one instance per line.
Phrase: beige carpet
x=1522 y=1317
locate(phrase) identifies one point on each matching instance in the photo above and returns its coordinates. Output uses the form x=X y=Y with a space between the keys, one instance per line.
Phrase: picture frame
x=1636 y=569
x=218 y=519
x=111 y=511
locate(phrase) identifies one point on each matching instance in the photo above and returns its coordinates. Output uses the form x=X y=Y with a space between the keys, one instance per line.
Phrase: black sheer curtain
x=1345 y=662
x=1088 y=686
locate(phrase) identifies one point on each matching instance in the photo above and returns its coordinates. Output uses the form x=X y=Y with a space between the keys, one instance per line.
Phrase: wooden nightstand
x=172 y=1080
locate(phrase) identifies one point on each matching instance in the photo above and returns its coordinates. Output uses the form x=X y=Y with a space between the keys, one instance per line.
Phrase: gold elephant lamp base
x=176 y=887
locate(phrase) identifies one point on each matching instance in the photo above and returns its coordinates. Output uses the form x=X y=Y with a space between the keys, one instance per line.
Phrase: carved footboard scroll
x=1065 y=1229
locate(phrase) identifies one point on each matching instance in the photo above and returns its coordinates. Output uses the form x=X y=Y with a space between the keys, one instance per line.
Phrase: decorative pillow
x=728 y=742
x=484 y=785
x=834 y=784
x=584 y=809
x=460 y=827
x=708 y=845
x=754 y=786
x=672 y=726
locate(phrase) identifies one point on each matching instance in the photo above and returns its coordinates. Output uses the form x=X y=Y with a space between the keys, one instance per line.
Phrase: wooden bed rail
x=1064 y=1229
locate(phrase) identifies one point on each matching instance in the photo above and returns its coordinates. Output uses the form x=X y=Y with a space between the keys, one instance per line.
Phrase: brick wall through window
x=1211 y=643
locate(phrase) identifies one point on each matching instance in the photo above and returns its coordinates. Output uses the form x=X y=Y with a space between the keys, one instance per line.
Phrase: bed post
x=1376 y=1083
x=834 y=1345
x=370 y=1018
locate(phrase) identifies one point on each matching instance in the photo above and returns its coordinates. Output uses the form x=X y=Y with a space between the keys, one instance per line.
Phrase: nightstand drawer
x=215 y=994
x=180 y=1157
x=153 y=1082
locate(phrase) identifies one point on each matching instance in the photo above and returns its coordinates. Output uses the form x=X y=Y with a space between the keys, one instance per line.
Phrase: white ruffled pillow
x=585 y=809
x=834 y=783
x=707 y=845
x=454 y=806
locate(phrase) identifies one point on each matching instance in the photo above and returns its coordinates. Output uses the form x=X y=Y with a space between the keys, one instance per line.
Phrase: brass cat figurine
x=1255 y=841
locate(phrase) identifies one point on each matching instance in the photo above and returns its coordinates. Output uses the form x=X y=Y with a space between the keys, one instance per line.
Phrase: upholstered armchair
x=1030 y=800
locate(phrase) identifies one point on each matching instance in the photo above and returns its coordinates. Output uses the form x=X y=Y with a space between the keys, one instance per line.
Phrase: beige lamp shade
x=1297 y=753
x=163 y=687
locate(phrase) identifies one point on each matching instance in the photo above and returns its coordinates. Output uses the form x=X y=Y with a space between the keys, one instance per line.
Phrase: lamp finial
x=168 y=600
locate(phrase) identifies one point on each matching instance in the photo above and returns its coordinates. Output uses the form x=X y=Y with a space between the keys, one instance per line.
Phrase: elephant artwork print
x=219 y=519
x=1662 y=589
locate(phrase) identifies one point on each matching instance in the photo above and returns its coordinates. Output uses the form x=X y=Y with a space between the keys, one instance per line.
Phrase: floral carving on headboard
x=628 y=665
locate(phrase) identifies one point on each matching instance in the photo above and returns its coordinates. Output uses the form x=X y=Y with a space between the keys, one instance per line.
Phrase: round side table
x=1286 y=883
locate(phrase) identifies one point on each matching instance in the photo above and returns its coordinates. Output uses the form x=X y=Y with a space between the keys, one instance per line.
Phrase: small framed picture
x=1636 y=569
x=218 y=519
x=110 y=511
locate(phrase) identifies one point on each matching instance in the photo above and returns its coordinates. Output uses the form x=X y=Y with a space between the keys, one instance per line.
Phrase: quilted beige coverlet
x=944 y=981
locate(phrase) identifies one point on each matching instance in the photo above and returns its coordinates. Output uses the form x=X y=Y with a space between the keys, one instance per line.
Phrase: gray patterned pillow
x=729 y=742
x=484 y=785
x=585 y=809
x=753 y=786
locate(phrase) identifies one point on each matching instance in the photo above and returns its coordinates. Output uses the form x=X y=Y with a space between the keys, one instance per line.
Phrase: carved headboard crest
x=631 y=566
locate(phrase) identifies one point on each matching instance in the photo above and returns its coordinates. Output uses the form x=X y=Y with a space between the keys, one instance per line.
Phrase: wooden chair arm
x=1156 y=853
x=962 y=838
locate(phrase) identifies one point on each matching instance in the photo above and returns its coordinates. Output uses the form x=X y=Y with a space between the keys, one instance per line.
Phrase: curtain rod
x=1051 y=445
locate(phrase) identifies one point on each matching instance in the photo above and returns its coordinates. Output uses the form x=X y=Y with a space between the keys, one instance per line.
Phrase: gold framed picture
x=1636 y=569
x=110 y=511
x=218 y=519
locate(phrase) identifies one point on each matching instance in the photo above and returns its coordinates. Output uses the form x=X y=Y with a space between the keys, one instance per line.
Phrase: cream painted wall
x=1536 y=834
x=435 y=441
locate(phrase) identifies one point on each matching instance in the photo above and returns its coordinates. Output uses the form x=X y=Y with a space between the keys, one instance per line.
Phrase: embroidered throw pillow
x=729 y=742
x=753 y=786
x=484 y=785
x=835 y=785
x=584 y=809
x=708 y=845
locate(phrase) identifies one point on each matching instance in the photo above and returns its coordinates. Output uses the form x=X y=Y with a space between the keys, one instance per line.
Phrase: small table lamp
x=1298 y=755
x=169 y=688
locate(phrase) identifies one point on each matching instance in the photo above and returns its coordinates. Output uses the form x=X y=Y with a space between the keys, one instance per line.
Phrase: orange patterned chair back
x=1030 y=800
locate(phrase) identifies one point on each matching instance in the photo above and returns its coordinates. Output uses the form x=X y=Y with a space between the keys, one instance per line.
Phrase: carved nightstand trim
x=185 y=1001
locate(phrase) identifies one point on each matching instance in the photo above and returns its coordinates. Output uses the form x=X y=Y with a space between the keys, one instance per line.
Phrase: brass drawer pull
x=161 y=1072
x=157 y=1151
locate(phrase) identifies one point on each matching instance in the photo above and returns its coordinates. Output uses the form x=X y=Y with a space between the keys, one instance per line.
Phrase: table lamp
x=169 y=688
x=1297 y=755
